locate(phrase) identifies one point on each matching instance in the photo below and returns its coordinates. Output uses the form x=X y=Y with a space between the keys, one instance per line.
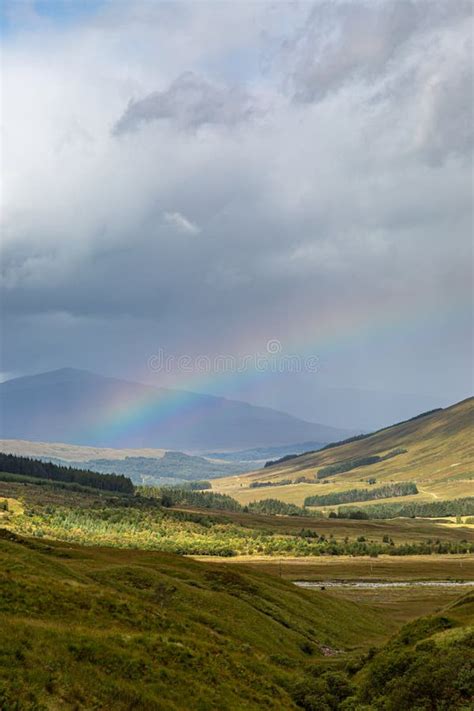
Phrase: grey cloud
x=342 y=41
x=449 y=122
x=335 y=209
x=191 y=101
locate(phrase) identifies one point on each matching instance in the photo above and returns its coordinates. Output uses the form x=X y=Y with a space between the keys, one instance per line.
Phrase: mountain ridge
x=80 y=407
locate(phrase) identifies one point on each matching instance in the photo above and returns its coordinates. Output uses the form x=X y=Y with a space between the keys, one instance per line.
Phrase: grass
x=94 y=518
x=388 y=568
x=72 y=452
x=102 y=628
x=402 y=530
x=439 y=458
x=109 y=628
x=401 y=605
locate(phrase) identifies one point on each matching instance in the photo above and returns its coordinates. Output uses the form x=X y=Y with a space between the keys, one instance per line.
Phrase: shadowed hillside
x=78 y=407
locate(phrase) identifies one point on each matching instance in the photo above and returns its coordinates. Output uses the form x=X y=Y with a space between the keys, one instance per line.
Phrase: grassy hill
x=108 y=628
x=436 y=451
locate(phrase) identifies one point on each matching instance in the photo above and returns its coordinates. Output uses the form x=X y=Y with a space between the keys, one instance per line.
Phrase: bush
x=259 y=484
x=275 y=506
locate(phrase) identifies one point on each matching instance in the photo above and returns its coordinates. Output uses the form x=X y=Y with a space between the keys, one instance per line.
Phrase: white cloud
x=181 y=223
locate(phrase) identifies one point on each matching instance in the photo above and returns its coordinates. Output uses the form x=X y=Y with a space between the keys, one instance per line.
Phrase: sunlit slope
x=72 y=452
x=439 y=457
x=113 y=629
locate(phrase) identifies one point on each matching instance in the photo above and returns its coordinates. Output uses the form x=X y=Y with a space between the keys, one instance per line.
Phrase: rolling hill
x=107 y=628
x=435 y=450
x=157 y=467
x=78 y=407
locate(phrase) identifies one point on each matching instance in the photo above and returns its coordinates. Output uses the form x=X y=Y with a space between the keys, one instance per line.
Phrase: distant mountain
x=79 y=407
x=262 y=454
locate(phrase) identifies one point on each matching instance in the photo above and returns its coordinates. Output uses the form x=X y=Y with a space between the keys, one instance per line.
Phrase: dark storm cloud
x=346 y=195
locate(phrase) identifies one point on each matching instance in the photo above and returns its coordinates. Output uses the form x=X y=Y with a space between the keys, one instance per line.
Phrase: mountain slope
x=79 y=407
x=439 y=457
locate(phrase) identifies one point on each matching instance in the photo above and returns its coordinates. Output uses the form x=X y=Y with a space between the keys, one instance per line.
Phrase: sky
x=277 y=179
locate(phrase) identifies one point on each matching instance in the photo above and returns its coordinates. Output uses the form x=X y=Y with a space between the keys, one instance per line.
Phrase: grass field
x=439 y=457
x=402 y=530
x=387 y=568
x=71 y=452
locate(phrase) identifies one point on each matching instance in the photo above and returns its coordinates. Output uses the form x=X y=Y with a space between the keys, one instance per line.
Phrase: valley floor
x=387 y=568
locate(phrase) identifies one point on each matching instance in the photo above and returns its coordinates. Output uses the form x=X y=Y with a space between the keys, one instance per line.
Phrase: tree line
x=404 y=488
x=414 y=509
x=184 y=496
x=282 y=460
x=275 y=507
x=260 y=484
x=347 y=464
x=37 y=469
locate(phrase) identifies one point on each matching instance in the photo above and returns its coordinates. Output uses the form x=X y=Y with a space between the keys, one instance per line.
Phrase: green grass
x=108 y=628
x=427 y=665
x=139 y=522
x=101 y=628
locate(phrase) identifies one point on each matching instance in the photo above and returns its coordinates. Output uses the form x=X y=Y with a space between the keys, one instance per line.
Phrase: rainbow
x=123 y=417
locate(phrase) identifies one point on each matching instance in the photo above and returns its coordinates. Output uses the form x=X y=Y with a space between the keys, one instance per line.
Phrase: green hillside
x=99 y=628
x=436 y=451
x=106 y=628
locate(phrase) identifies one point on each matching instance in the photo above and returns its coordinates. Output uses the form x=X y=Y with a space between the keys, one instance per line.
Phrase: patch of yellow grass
x=72 y=452
x=439 y=458
x=14 y=507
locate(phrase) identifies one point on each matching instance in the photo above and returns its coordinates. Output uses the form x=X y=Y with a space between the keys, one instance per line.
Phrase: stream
x=366 y=584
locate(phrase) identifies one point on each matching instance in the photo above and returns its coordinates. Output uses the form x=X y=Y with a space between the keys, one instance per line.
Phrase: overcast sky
x=203 y=178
